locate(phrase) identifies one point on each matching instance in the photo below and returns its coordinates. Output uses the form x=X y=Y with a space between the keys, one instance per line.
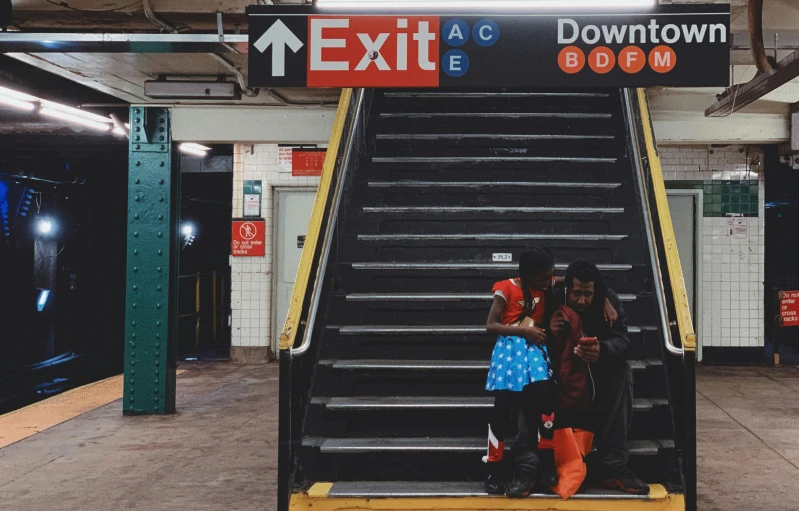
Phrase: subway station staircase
x=428 y=198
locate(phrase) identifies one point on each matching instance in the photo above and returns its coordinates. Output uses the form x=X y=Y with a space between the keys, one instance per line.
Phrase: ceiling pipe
x=764 y=63
x=238 y=74
x=148 y=11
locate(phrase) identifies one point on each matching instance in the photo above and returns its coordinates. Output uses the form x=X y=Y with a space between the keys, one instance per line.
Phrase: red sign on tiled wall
x=307 y=162
x=248 y=238
x=789 y=308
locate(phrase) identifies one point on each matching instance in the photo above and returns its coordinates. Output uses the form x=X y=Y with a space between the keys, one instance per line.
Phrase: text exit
x=382 y=51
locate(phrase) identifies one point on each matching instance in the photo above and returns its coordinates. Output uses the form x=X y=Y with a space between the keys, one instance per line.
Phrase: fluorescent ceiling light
x=17 y=95
x=196 y=146
x=194 y=149
x=484 y=5
x=16 y=103
x=117 y=131
x=64 y=116
x=77 y=112
x=66 y=113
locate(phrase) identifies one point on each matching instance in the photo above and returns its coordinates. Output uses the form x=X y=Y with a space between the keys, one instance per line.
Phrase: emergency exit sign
x=673 y=45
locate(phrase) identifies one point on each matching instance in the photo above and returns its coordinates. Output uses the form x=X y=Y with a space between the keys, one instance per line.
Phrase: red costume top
x=511 y=291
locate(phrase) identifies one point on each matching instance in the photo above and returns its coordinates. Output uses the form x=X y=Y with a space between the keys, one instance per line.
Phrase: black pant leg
x=614 y=396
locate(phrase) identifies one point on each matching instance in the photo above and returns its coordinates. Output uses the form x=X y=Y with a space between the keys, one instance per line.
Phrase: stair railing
x=296 y=371
x=670 y=283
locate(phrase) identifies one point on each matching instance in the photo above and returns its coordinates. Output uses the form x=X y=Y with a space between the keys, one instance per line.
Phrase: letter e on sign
x=374 y=51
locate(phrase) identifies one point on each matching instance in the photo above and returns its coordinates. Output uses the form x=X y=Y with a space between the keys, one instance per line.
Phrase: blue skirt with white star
x=515 y=363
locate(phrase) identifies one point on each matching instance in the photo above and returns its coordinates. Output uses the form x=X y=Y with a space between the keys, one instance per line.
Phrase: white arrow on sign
x=278 y=36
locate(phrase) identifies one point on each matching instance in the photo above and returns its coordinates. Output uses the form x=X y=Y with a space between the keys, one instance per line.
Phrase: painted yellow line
x=314 y=229
x=25 y=422
x=684 y=322
x=316 y=499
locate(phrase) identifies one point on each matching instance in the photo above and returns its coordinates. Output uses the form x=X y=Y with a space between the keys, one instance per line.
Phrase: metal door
x=292 y=215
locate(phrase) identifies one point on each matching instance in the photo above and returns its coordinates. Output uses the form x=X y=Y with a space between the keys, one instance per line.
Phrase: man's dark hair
x=588 y=272
x=532 y=262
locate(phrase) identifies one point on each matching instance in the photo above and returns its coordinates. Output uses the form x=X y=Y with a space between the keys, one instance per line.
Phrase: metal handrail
x=682 y=309
x=660 y=292
x=316 y=293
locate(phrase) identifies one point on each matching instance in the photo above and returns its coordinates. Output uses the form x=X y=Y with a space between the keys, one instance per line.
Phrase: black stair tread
x=490 y=209
x=467 y=265
x=490 y=136
x=473 y=236
x=443 y=297
x=477 y=94
x=437 y=329
x=432 y=186
x=471 y=159
x=442 y=365
x=499 y=115
x=436 y=402
x=421 y=489
x=445 y=444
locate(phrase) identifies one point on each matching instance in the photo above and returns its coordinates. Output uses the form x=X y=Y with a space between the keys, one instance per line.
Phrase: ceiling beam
x=742 y=95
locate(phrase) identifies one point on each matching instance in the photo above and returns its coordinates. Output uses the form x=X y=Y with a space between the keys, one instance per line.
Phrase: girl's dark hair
x=532 y=262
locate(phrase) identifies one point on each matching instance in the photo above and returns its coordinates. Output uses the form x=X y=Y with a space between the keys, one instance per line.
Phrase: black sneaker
x=524 y=469
x=549 y=472
x=623 y=479
x=494 y=485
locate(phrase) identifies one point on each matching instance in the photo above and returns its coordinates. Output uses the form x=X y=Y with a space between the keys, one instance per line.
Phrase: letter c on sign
x=485 y=33
x=571 y=60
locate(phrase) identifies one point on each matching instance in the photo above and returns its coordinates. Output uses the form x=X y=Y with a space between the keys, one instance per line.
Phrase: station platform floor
x=220 y=450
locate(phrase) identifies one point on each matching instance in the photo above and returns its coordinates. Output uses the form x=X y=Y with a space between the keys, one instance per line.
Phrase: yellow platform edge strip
x=289 y=333
x=684 y=322
x=37 y=417
x=317 y=500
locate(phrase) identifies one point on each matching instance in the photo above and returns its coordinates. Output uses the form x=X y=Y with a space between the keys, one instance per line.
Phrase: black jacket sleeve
x=615 y=344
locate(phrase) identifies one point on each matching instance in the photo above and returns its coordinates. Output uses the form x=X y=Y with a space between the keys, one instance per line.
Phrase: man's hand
x=559 y=325
x=611 y=315
x=533 y=334
x=588 y=352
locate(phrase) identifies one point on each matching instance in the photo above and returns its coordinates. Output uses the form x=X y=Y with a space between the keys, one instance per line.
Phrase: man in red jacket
x=611 y=373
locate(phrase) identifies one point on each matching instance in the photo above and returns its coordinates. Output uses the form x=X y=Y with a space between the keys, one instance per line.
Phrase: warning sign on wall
x=248 y=238
x=308 y=162
x=789 y=308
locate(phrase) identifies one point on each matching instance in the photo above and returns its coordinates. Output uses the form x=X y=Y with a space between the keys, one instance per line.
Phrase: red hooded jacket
x=572 y=372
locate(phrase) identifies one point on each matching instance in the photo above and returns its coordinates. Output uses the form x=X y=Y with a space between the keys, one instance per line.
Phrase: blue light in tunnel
x=42 y=301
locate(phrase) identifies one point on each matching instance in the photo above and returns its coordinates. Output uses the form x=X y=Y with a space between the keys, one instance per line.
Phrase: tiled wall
x=251 y=288
x=731 y=179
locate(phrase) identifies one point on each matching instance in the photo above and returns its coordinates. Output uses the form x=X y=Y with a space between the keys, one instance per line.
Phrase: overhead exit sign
x=675 y=45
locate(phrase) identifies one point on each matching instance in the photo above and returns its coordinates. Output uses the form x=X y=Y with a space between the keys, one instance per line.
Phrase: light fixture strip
x=484 y=5
x=75 y=119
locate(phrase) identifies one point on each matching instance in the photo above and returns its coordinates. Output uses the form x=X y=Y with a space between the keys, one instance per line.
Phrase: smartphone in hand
x=588 y=341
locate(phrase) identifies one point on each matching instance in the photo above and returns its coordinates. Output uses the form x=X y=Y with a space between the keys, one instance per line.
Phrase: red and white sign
x=248 y=238
x=308 y=162
x=789 y=308
x=384 y=50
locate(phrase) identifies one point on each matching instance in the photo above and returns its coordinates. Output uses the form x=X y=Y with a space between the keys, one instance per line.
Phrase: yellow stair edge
x=317 y=499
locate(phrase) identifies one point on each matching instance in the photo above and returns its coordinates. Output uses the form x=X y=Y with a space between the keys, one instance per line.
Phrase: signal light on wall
x=187 y=230
x=45 y=226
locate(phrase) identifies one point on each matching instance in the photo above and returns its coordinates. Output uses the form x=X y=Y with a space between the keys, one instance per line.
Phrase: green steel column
x=153 y=249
